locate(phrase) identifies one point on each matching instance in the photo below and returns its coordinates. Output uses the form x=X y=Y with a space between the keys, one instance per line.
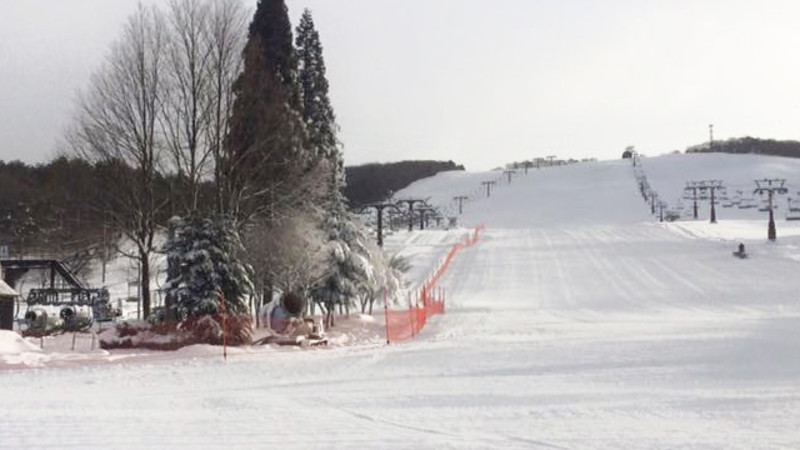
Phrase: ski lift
x=765 y=207
x=737 y=198
x=748 y=203
x=793 y=209
x=792 y=212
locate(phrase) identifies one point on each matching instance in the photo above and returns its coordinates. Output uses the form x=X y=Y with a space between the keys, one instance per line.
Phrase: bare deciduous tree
x=226 y=35
x=118 y=126
x=287 y=257
x=187 y=105
x=287 y=250
x=206 y=41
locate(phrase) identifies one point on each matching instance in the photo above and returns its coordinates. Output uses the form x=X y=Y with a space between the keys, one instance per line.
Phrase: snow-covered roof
x=6 y=291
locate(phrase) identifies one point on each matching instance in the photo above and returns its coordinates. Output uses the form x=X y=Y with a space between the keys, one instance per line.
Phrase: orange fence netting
x=430 y=299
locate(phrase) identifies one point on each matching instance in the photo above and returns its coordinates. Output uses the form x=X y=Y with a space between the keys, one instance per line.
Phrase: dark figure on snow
x=740 y=253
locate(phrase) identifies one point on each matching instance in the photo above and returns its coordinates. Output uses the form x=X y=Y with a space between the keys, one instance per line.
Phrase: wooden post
x=386 y=314
x=224 y=316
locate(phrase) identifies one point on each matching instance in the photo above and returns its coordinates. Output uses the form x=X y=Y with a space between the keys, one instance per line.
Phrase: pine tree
x=272 y=29
x=266 y=149
x=350 y=263
x=318 y=112
x=204 y=270
x=316 y=106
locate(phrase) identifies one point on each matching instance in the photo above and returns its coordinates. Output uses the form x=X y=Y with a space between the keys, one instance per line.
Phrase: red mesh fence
x=430 y=300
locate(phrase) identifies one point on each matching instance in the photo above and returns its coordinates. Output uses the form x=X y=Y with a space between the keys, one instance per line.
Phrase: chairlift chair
x=748 y=203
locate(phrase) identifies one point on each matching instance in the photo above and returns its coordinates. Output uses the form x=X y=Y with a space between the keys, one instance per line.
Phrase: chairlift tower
x=771 y=186
x=461 y=199
x=424 y=215
x=527 y=165
x=488 y=185
x=509 y=174
x=693 y=187
x=411 y=202
x=653 y=196
x=379 y=208
x=712 y=186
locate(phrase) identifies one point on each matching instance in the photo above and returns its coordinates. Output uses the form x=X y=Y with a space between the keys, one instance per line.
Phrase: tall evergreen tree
x=266 y=152
x=318 y=114
x=350 y=264
x=316 y=105
x=273 y=29
x=347 y=256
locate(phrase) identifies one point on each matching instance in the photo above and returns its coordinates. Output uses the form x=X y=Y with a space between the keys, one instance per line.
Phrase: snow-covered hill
x=606 y=191
x=578 y=321
x=583 y=193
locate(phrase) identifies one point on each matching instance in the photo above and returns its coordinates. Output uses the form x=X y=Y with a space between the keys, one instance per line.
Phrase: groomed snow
x=577 y=322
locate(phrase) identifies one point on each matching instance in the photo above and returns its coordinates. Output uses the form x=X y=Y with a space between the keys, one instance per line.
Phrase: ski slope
x=577 y=322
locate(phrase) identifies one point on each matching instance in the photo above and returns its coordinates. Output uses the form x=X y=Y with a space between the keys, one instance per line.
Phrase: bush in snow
x=215 y=329
x=205 y=277
x=385 y=282
x=357 y=268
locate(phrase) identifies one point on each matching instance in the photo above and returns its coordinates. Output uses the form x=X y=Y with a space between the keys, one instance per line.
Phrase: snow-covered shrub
x=205 y=277
x=358 y=267
x=204 y=270
x=213 y=329
x=387 y=281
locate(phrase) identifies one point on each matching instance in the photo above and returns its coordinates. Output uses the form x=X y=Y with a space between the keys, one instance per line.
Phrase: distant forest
x=790 y=149
x=51 y=209
x=375 y=182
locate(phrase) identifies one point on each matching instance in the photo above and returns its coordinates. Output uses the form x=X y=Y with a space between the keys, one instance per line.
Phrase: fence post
x=224 y=313
x=411 y=318
x=386 y=314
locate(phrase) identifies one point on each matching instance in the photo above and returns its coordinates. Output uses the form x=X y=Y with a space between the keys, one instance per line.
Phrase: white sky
x=482 y=83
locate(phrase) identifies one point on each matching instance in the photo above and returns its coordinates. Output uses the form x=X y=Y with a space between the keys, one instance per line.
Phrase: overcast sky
x=479 y=82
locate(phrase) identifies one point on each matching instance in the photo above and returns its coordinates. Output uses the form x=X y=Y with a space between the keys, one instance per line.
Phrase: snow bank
x=12 y=343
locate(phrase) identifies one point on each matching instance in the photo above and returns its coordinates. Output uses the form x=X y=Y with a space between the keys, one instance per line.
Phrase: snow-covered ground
x=577 y=322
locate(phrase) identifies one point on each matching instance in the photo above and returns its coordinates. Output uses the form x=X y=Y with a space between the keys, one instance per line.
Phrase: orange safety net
x=402 y=325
